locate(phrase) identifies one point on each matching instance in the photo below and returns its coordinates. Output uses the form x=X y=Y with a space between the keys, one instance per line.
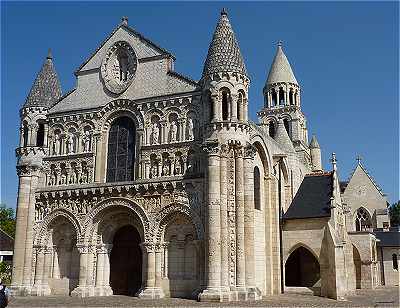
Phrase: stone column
x=36 y=288
x=102 y=271
x=158 y=270
x=46 y=271
x=46 y=136
x=81 y=289
x=245 y=110
x=164 y=132
x=253 y=292
x=213 y=231
x=89 y=270
x=150 y=290
x=240 y=244
x=224 y=219
x=56 y=267
x=235 y=107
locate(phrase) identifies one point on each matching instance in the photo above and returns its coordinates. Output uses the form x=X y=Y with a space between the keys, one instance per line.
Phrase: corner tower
x=224 y=80
x=282 y=98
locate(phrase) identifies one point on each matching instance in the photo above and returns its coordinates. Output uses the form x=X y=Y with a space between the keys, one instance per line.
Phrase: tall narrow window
x=273 y=98
x=25 y=132
x=271 y=129
x=121 y=150
x=40 y=135
x=211 y=104
x=363 y=220
x=281 y=97
x=239 y=106
x=291 y=97
x=395 y=263
x=225 y=103
x=287 y=127
x=257 y=191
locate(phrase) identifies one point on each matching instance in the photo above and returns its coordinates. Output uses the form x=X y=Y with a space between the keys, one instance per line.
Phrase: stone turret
x=44 y=93
x=224 y=80
x=282 y=137
x=315 y=153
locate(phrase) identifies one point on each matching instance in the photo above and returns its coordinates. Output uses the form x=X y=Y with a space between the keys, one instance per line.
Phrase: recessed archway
x=357 y=266
x=126 y=261
x=302 y=269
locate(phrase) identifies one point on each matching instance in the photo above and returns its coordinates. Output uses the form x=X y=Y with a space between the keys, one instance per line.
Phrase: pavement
x=380 y=297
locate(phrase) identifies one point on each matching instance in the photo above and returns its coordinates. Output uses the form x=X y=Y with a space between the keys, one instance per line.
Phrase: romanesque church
x=143 y=182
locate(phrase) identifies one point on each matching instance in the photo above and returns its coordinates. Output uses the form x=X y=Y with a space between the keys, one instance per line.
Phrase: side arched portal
x=357 y=266
x=302 y=269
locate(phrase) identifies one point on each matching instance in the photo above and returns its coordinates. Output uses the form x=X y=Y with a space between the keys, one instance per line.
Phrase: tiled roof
x=282 y=137
x=388 y=238
x=313 y=198
x=280 y=70
x=224 y=53
x=46 y=89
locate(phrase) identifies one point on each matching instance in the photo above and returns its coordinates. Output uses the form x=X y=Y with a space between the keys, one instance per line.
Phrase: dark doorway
x=357 y=266
x=301 y=269
x=126 y=262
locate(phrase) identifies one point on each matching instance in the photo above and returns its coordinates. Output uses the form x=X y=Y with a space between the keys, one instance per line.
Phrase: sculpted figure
x=173 y=129
x=190 y=127
x=154 y=169
x=178 y=167
x=166 y=168
x=56 y=145
x=86 y=141
x=70 y=144
x=155 y=134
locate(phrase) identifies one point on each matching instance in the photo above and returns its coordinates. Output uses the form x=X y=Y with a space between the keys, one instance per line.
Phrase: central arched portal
x=126 y=262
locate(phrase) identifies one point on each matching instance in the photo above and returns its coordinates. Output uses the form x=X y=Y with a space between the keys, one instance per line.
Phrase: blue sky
x=344 y=54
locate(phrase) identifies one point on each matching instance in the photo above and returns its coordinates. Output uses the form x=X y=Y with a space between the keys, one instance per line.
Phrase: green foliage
x=7 y=220
x=5 y=272
x=394 y=212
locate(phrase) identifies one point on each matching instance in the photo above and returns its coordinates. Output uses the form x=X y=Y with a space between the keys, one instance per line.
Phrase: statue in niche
x=166 y=168
x=154 y=171
x=190 y=128
x=73 y=179
x=86 y=141
x=70 y=144
x=122 y=64
x=155 y=134
x=63 y=179
x=173 y=129
x=178 y=166
x=56 y=144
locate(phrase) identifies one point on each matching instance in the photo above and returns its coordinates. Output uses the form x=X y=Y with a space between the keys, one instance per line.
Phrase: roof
x=46 y=89
x=224 y=54
x=134 y=32
x=6 y=241
x=313 y=198
x=280 y=70
x=314 y=143
x=282 y=137
x=388 y=238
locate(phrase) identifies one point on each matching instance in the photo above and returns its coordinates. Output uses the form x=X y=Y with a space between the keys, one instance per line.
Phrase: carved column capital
x=250 y=151
x=28 y=170
x=211 y=148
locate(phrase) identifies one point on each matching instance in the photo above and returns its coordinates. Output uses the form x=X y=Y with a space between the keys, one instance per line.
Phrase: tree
x=7 y=220
x=394 y=212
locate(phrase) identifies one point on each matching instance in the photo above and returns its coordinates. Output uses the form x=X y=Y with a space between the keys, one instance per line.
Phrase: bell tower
x=282 y=99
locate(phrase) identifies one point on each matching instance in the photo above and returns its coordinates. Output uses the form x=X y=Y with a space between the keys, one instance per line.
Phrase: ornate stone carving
x=119 y=67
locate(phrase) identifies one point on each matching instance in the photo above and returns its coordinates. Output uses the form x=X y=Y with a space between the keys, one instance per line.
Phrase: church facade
x=144 y=182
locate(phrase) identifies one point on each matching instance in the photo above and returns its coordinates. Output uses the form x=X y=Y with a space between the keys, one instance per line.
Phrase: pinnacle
x=224 y=54
x=49 y=55
x=314 y=143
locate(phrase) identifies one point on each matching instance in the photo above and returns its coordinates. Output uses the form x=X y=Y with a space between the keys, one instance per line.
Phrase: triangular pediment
x=143 y=47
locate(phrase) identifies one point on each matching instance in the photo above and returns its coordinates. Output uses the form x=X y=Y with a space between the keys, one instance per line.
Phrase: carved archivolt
x=114 y=202
x=41 y=236
x=169 y=213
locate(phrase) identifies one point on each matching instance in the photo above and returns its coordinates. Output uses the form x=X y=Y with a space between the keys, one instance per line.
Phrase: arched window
x=239 y=106
x=271 y=129
x=40 y=135
x=291 y=97
x=395 y=263
x=274 y=98
x=211 y=104
x=363 y=220
x=257 y=191
x=25 y=132
x=287 y=127
x=281 y=97
x=121 y=150
x=225 y=102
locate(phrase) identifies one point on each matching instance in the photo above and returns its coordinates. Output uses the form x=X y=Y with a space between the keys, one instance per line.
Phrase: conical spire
x=314 y=143
x=280 y=70
x=282 y=137
x=224 y=53
x=46 y=89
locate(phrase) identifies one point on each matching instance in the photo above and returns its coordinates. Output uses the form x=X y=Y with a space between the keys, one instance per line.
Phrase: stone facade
x=141 y=181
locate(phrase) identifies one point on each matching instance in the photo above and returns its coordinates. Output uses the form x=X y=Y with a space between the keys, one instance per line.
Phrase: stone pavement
x=381 y=297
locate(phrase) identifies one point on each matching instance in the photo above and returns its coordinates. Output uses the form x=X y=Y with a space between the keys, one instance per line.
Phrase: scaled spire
x=280 y=70
x=46 y=89
x=224 y=53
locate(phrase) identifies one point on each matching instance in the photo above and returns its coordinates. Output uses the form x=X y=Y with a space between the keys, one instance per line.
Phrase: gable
x=362 y=191
x=144 y=48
